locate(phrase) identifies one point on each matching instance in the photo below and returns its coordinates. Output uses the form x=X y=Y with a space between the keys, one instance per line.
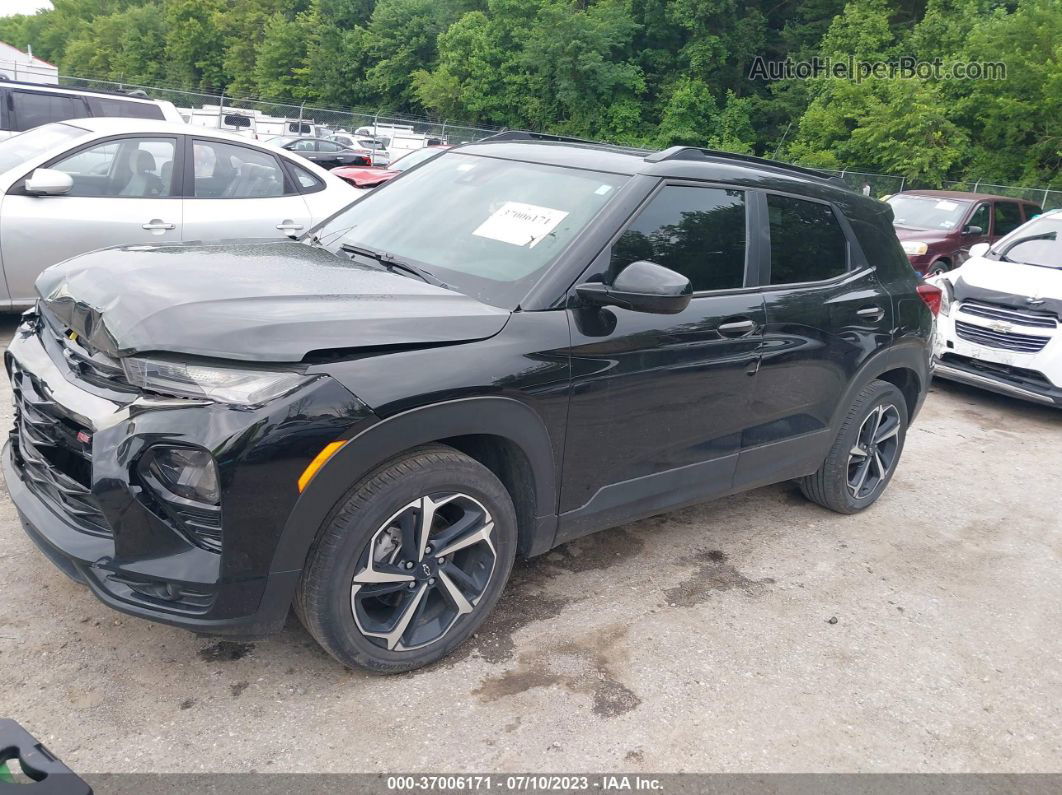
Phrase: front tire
x=411 y=563
x=864 y=456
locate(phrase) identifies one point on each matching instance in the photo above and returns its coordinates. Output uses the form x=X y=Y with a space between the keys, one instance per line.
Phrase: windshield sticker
x=603 y=190
x=947 y=224
x=946 y=205
x=520 y=224
x=466 y=166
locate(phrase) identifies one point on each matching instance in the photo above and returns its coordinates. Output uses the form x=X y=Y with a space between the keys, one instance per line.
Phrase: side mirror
x=979 y=249
x=49 y=182
x=641 y=287
x=973 y=230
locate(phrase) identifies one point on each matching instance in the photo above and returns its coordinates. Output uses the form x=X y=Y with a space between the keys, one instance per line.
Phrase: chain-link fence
x=267 y=118
x=1046 y=198
x=877 y=185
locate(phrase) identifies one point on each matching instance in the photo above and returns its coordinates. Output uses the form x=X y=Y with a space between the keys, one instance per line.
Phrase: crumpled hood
x=1009 y=284
x=259 y=301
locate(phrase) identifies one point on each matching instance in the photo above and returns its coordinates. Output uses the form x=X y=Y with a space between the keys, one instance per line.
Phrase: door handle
x=871 y=312
x=736 y=328
x=156 y=223
x=289 y=226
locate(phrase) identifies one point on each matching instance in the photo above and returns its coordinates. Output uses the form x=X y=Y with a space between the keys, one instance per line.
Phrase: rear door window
x=226 y=171
x=1008 y=218
x=32 y=109
x=807 y=242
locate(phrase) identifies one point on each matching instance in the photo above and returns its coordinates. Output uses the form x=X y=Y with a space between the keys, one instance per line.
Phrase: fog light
x=186 y=471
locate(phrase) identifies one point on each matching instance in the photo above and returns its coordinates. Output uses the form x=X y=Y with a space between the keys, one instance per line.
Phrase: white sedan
x=84 y=184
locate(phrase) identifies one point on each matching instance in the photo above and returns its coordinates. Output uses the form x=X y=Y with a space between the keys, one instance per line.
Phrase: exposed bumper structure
x=71 y=468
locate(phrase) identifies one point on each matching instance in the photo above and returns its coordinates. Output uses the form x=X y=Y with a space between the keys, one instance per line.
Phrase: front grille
x=1010 y=341
x=55 y=465
x=1009 y=314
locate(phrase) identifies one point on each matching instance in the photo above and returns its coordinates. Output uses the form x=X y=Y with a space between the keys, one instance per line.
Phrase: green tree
x=279 y=70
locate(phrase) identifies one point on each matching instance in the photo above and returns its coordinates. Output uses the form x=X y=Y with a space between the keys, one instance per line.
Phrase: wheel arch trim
x=506 y=417
x=911 y=355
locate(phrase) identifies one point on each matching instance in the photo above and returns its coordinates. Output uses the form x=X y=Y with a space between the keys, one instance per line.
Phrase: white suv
x=1000 y=323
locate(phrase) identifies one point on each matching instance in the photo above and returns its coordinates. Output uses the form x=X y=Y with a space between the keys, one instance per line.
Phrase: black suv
x=509 y=346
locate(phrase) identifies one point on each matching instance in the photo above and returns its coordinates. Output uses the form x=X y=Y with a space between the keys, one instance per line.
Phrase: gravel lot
x=700 y=640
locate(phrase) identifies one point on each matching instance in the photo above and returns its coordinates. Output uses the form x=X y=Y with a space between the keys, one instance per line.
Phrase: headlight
x=946 y=295
x=915 y=248
x=243 y=387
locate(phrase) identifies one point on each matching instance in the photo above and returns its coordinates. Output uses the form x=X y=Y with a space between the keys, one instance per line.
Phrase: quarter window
x=807 y=243
x=307 y=181
x=1008 y=218
x=225 y=171
x=698 y=232
x=118 y=108
x=135 y=168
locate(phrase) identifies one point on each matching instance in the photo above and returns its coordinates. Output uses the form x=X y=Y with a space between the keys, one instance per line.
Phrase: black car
x=325 y=153
x=387 y=412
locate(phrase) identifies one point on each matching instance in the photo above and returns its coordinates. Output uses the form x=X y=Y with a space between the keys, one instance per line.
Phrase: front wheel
x=864 y=456
x=411 y=564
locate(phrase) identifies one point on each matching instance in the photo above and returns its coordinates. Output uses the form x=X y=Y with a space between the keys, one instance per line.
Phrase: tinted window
x=305 y=145
x=699 y=232
x=980 y=218
x=33 y=110
x=224 y=171
x=122 y=109
x=807 y=244
x=328 y=146
x=1008 y=218
x=135 y=168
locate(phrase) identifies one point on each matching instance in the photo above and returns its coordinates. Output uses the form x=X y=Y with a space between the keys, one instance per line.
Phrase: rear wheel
x=411 y=564
x=864 y=456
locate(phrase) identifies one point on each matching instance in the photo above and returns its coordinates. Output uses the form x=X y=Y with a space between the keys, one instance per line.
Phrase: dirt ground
x=758 y=633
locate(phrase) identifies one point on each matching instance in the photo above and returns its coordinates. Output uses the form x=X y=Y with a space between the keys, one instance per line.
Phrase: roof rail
x=135 y=93
x=527 y=135
x=700 y=153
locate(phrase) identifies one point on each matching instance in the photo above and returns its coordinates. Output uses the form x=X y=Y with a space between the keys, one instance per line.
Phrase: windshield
x=486 y=226
x=18 y=149
x=410 y=160
x=1033 y=243
x=927 y=212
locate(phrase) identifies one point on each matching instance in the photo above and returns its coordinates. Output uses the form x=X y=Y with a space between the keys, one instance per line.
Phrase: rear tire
x=864 y=456
x=373 y=592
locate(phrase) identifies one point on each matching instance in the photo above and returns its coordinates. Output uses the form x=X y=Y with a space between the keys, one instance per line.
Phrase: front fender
x=493 y=416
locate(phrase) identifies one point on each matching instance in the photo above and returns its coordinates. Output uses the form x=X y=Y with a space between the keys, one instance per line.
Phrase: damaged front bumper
x=70 y=465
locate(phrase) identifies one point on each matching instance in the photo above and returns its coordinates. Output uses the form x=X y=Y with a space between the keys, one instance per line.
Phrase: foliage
x=642 y=72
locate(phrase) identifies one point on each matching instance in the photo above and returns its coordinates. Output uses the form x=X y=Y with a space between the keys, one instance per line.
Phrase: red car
x=937 y=227
x=370 y=177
